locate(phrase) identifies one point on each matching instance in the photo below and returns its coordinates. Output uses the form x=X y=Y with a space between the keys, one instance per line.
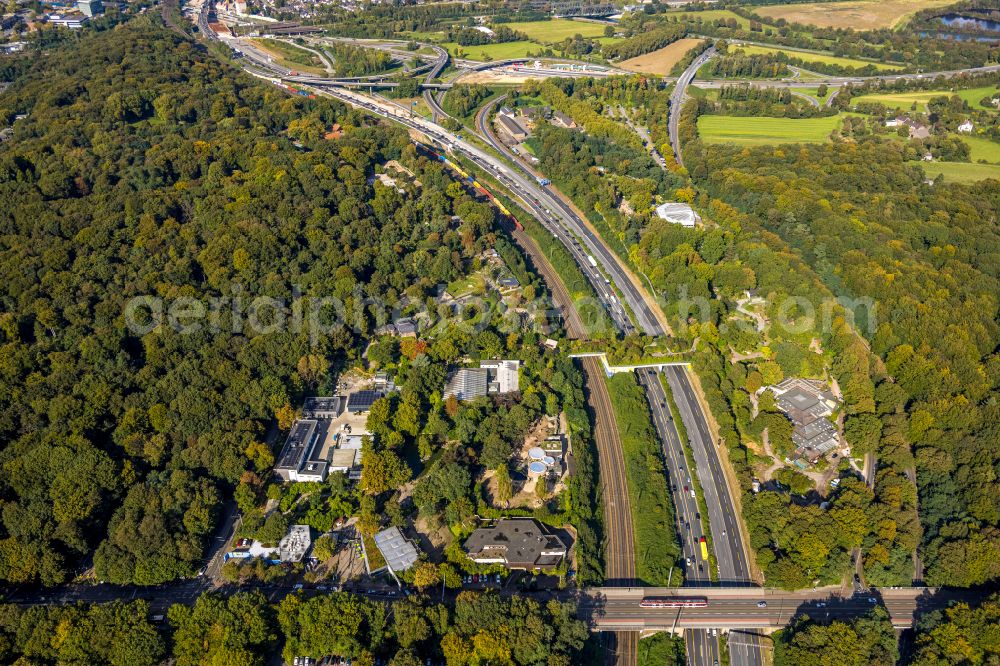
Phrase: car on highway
x=685 y=488
x=761 y=604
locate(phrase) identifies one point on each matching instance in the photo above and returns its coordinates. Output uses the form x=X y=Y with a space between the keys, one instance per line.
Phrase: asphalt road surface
x=677 y=100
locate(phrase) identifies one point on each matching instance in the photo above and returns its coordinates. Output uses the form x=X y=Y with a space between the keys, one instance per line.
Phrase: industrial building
x=466 y=384
x=502 y=376
x=516 y=543
x=313 y=447
x=90 y=8
x=512 y=128
x=361 y=401
x=324 y=408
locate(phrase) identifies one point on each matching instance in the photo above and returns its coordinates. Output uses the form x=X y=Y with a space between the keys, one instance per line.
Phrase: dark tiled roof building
x=516 y=543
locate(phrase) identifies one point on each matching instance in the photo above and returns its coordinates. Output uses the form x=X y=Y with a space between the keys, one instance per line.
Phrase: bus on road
x=704 y=548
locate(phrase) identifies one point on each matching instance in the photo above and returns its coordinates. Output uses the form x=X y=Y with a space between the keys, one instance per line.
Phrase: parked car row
x=482 y=579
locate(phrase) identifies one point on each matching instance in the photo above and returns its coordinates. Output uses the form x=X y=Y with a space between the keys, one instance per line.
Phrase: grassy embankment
x=291 y=56
x=905 y=101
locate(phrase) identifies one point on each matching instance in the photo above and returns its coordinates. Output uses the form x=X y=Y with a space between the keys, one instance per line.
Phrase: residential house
x=560 y=119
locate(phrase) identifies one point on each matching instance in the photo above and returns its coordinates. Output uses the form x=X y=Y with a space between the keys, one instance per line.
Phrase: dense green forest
x=928 y=257
x=959 y=635
x=658 y=554
x=145 y=169
x=245 y=629
x=356 y=61
x=866 y=640
x=702 y=274
x=737 y=64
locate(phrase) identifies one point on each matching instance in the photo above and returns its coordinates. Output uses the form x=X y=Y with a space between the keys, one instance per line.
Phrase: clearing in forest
x=752 y=131
x=662 y=60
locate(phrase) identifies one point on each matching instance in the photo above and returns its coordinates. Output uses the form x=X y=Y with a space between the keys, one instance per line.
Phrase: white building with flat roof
x=501 y=376
x=678 y=213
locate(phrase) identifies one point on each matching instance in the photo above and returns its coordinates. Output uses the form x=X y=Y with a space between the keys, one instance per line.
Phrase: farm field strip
x=754 y=131
x=856 y=14
x=556 y=30
x=662 y=60
x=906 y=100
x=809 y=56
x=961 y=172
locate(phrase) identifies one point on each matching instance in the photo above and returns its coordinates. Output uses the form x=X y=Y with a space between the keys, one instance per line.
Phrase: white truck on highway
x=593 y=262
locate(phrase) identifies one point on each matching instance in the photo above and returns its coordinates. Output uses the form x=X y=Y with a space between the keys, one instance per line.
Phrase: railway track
x=619 y=545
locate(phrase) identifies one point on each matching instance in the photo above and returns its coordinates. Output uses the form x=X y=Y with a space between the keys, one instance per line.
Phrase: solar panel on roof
x=361 y=401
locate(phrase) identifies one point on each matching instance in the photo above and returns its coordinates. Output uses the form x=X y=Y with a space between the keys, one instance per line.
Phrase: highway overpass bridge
x=618 y=609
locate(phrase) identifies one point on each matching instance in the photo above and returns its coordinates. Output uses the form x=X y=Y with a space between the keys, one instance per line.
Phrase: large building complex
x=807 y=403
x=327 y=438
x=516 y=543
x=491 y=377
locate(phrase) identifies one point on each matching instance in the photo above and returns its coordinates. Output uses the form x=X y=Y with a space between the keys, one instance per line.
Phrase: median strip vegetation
x=657 y=550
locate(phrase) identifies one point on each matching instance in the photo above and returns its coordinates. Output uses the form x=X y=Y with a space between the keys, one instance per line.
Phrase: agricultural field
x=905 y=101
x=488 y=52
x=711 y=15
x=556 y=30
x=765 y=131
x=290 y=56
x=961 y=172
x=982 y=149
x=856 y=14
x=809 y=56
x=662 y=60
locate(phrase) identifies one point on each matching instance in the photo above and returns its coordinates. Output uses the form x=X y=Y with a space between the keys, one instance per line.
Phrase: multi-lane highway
x=677 y=100
x=701 y=645
x=642 y=305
